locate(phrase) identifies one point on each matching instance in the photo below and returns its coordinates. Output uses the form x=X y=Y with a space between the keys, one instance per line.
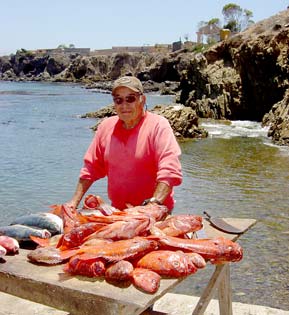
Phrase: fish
x=119 y=271
x=197 y=260
x=96 y=242
x=3 y=251
x=167 y=263
x=42 y=220
x=22 y=232
x=115 y=251
x=217 y=250
x=178 y=225
x=68 y=214
x=146 y=280
x=153 y=210
x=49 y=255
x=127 y=229
x=94 y=267
x=10 y=244
x=97 y=203
x=77 y=235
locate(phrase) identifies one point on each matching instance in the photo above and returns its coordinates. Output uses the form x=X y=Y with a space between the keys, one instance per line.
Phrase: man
x=136 y=150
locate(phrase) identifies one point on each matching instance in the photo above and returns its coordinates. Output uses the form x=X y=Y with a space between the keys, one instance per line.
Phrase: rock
x=278 y=121
x=240 y=78
x=183 y=120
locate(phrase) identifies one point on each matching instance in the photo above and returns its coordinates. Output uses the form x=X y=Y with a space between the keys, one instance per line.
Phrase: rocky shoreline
x=242 y=78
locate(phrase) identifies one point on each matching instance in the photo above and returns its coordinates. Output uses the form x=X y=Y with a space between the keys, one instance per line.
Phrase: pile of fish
x=43 y=225
x=138 y=245
x=40 y=225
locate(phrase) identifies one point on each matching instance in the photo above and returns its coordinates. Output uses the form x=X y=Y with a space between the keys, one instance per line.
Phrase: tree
x=61 y=46
x=236 y=19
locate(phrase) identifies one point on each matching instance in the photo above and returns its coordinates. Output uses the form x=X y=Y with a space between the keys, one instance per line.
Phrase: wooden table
x=49 y=285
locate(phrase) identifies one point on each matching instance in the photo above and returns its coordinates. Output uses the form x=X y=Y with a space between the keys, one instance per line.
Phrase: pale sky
x=36 y=24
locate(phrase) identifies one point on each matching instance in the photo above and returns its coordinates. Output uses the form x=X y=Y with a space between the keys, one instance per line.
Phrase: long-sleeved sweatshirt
x=134 y=160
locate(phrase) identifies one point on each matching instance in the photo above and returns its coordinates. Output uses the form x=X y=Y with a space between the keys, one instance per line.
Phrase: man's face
x=129 y=105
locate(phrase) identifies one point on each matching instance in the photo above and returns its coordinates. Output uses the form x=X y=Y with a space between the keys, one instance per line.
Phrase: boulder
x=183 y=120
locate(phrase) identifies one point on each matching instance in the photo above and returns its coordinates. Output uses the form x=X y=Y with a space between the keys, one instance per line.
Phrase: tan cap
x=132 y=83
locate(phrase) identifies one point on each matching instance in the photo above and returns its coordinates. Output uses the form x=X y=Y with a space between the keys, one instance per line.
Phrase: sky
x=94 y=24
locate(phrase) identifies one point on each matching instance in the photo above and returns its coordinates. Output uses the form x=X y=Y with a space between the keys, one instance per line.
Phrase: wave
x=236 y=128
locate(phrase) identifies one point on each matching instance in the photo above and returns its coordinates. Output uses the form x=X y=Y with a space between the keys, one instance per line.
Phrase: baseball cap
x=130 y=82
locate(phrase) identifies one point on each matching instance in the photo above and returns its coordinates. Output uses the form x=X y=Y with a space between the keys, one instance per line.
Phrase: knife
x=222 y=225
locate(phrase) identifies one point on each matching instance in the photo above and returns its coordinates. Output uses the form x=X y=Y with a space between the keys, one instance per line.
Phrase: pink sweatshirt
x=134 y=160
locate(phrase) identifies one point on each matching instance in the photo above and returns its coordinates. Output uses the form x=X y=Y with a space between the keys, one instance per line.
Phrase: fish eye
x=176 y=264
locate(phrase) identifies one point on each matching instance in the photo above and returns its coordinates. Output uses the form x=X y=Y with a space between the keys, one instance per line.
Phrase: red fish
x=45 y=255
x=90 y=268
x=115 y=251
x=158 y=212
x=77 y=235
x=146 y=280
x=10 y=244
x=217 y=250
x=197 y=260
x=119 y=271
x=68 y=214
x=178 y=225
x=3 y=251
x=138 y=226
x=97 y=203
x=167 y=263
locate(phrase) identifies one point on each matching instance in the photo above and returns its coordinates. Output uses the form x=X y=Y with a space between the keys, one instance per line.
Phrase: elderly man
x=135 y=149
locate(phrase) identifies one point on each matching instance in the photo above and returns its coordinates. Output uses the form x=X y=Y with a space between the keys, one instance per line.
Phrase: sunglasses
x=128 y=99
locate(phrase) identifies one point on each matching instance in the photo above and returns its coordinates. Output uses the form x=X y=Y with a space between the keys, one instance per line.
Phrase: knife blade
x=222 y=225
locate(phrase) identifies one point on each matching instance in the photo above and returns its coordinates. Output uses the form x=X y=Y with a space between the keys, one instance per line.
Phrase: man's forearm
x=162 y=191
x=82 y=187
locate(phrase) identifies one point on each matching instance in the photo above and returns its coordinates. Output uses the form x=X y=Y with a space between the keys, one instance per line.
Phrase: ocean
x=235 y=172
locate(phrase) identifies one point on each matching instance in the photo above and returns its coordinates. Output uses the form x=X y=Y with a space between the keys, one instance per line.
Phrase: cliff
x=244 y=77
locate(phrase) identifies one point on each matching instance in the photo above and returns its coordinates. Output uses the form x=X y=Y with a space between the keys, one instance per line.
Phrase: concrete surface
x=177 y=304
x=173 y=304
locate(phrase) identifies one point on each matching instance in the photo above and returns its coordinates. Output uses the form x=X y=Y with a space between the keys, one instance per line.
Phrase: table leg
x=225 y=292
x=221 y=274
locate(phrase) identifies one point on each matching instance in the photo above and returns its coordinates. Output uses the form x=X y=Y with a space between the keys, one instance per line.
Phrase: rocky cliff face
x=244 y=77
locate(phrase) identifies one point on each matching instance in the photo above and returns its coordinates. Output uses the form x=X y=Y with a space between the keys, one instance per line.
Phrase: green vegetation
x=236 y=19
x=63 y=46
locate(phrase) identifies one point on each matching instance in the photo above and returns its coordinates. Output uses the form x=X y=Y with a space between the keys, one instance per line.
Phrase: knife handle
x=206 y=213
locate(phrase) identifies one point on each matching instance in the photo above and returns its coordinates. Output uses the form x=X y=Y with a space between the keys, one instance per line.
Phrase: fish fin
x=43 y=242
x=56 y=209
x=60 y=241
x=68 y=253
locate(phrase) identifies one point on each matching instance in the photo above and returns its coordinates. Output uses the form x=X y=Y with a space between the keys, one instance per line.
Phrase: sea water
x=235 y=172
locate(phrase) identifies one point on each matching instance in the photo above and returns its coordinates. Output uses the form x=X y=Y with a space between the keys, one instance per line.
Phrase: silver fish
x=44 y=220
x=23 y=232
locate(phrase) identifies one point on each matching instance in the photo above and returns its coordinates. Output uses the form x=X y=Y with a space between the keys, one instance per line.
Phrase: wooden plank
x=209 y=290
x=225 y=293
x=220 y=279
x=49 y=285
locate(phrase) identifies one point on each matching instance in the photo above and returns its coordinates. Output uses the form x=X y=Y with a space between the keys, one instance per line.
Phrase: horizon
x=112 y=24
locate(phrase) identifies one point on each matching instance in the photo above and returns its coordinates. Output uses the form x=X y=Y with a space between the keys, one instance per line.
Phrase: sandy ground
x=173 y=304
